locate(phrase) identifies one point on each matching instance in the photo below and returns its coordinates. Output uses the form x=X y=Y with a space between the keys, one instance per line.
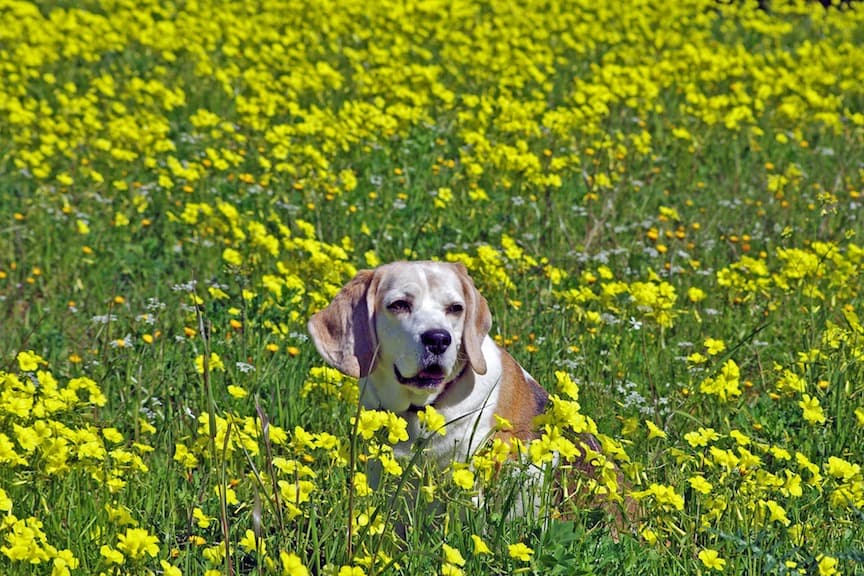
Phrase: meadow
x=662 y=203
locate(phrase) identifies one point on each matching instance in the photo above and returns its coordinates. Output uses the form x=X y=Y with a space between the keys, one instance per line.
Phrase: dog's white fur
x=417 y=334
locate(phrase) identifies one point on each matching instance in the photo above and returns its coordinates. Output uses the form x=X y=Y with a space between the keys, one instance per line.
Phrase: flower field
x=662 y=203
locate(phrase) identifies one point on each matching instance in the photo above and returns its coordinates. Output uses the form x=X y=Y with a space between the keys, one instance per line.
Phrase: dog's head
x=408 y=327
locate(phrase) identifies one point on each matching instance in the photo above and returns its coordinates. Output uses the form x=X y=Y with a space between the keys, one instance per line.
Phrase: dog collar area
x=413 y=408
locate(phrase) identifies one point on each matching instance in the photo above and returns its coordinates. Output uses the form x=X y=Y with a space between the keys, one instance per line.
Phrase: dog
x=417 y=334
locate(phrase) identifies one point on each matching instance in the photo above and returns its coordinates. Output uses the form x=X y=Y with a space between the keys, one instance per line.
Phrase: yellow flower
x=649 y=535
x=214 y=364
x=183 y=456
x=726 y=385
x=827 y=565
x=629 y=426
x=196 y=540
x=791 y=383
x=120 y=516
x=361 y=485
x=232 y=257
x=201 y=519
x=695 y=294
x=812 y=410
x=859 y=416
x=700 y=484
x=169 y=570
x=111 y=555
x=29 y=361
x=295 y=492
x=428 y=492
x=654 y=431
x=725 y=458
x=792 y=485
x=665 y=497
x=566 y=385
x=397 y=428
x=451 y=570
x=776 y=513
x=740 y=438
x=464 y=478
x=372 y=259
x=480 y=546
x=250 y=543
x=5 y=502
x=370 y=422
x=137 y=542
x=502 y=423
x=292 y=565
x=453 y=556
x=237 y=391
x=65 y=561
x=390 y=465
x=711 y=559
x=714 y=346
x=701 y=437
x=841 y=469
x=443 y=197
x=520 y=551
x=112 y=435
x=432 y=420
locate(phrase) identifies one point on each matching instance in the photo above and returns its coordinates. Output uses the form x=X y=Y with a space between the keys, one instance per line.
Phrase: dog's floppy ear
x=478 y=321
x=343 y=332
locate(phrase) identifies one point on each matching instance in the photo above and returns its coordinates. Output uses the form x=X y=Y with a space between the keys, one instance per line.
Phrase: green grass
x=624 y=184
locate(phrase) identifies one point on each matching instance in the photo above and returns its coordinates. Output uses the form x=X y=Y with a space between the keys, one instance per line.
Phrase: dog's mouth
x=430 y=377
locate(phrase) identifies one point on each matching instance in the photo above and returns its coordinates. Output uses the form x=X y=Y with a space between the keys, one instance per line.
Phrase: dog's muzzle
x=430 y=377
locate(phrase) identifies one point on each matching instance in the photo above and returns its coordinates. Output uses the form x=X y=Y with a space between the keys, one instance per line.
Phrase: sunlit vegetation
x=661 y=201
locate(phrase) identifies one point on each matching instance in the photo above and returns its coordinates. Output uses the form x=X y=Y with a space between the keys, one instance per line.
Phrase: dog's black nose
x=436 y=341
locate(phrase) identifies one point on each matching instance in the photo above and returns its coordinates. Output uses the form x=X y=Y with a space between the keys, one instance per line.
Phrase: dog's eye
x=455 y=308
x=399 y=306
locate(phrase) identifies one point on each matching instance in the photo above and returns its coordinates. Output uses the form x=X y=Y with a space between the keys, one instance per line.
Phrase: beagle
x=417 y=334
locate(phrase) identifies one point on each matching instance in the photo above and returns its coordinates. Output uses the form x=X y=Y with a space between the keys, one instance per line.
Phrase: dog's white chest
x=467 y=407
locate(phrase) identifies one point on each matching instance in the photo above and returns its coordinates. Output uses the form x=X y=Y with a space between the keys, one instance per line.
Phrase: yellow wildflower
x=29 y=361
x=776 y=513
x=827 y=565
x=714 y=346
x=136 y=542
x=432 y=420
x=711 y=559
x=464 y=478
x=726 y=385
x=520 y=551
x=812 y=410
x=292 y=565
x=453 y=556
x=111 y=555
x=169 y=570
x=654 y=431
x=700 y=484
x=480 y=546
x=252 y=544
x=232 y=257
x=214 y=364
x=701 y=437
